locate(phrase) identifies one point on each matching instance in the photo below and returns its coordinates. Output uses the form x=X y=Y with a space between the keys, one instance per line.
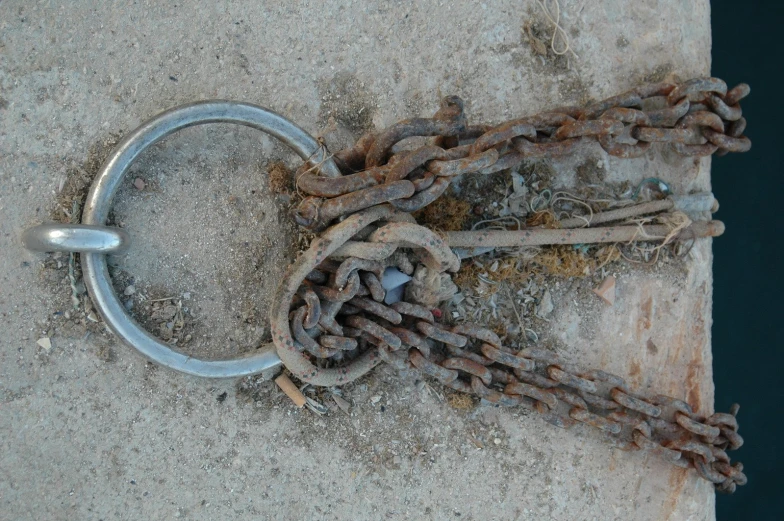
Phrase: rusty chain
x=698 y=117
x=329 y=320
x=335 y=327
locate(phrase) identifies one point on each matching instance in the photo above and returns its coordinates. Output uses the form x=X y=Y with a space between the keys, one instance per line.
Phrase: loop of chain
x=698 y=117
x=337 y=318
x=331 y=324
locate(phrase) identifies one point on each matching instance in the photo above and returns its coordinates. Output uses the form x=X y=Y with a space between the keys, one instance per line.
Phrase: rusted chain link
x=331 y=322
x=330 y=326
x=698 y=117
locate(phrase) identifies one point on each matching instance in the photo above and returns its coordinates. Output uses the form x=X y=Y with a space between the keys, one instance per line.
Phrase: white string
x=558 y=31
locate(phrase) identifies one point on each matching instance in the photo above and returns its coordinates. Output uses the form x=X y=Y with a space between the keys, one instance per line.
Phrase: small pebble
x=130 y=290
x=45 y=343
x=139 y=183
x=497 y=441
x=128 y=304
x=375 y=399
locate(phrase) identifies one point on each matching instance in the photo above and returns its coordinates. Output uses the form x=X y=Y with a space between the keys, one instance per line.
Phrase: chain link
x=698 y=117
x=330 y=323
x=337 y=317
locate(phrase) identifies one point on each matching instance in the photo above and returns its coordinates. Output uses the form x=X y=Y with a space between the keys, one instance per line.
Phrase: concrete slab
x=89 y=430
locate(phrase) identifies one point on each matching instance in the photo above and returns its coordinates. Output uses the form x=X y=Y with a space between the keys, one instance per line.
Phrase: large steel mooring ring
x=104 y=188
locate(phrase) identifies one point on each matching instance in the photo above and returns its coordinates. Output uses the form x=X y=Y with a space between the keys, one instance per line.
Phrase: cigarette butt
x=288 y=387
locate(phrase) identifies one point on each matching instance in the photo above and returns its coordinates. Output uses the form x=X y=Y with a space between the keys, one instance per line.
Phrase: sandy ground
x=89 y=430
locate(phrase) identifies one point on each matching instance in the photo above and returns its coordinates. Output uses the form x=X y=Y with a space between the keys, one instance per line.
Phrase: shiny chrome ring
x=99 y=201
x=76 y=238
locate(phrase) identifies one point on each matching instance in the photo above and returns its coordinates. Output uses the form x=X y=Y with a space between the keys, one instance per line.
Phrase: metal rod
x=540 y=237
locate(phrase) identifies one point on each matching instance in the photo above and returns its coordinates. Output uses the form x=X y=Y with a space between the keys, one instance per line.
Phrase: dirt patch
x=349 y=101
x=211 y=239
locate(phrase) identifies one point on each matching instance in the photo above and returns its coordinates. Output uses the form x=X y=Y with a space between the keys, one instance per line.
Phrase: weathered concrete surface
x=90 y=431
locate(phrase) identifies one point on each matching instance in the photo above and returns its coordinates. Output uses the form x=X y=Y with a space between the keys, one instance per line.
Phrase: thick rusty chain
x=331 y=326
x=698 y=117
x=329 y=321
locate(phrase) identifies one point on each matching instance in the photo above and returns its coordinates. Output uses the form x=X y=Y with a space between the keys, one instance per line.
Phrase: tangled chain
x=330 y=322
x=336 y=327
x=698 y=117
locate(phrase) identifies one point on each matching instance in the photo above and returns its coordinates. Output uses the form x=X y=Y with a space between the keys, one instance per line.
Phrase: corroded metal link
x=725 y=111
x=477 y=332
x=674 y=403
x=423 y=198
x=597 y=375
x=505 y=132
x=571 y=380
x=662 y=135
x=337 y=342
x=633 y=421
x=374 y=330
x=411 y=339
x=462 y=353
x=410 y=161
x=728 y=143
x=670 y=115
x=378 y=309
x=474 y=163
x=448 y=121
x=708 y=431
x=353 y=264
x=536 y=379
x=470 y=367
x=502 y=357
x=532 y=392
x=441 y=335
x=441 y=374
x=594 y=420
x=373 y=284
x=493 y=396
x=697 y=89
x=673 y=456
x=414 y=311
x=436 y=254
x=339 y=295
x=598 y=401
x=588 y=128
x=308 y=181
x=314 y=211
x=327 y=319
x=635 y=404
x=305 y=340
x=314 y=309
x=737 y=93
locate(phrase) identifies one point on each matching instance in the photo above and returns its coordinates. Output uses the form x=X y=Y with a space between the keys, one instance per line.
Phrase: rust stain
x=694 y=383
x=678 y=477
x=646 y=312
x=635 y=373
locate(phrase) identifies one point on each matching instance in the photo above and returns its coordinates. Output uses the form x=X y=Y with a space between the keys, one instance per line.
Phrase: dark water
x=748 y=325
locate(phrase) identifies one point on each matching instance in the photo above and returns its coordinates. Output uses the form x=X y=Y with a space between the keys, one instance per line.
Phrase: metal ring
x=99 y=201
x=76 y=238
